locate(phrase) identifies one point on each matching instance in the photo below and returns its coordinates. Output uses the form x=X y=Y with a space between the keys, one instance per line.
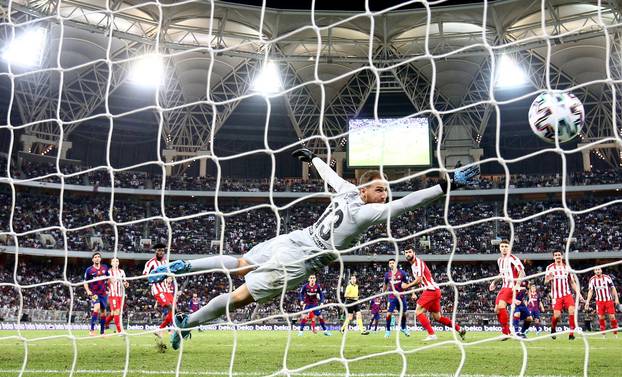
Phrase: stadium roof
x=223 y=47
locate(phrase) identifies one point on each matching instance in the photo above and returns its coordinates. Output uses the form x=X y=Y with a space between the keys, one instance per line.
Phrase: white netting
x=112 y=22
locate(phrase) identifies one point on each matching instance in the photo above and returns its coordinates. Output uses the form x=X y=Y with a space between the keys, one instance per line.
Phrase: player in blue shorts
x=96 y=287
x=311 y=296
x=397 y=305
x=521 y=312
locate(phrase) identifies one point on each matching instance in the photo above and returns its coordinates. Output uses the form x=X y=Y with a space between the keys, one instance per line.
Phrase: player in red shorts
x=116 y=289
x=510 y=271
x=430 y=299
x=606 y=294
x=162 y=291
x=561 y=278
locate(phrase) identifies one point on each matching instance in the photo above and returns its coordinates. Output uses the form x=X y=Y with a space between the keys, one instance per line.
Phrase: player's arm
x=86 y=285
x=325 y=171
x=589 y=298
x=614 y=293
x=493 y=283
x=575 y=286
x=301 y=295
x=377 y=213
x=125 y=282
x=548 y=277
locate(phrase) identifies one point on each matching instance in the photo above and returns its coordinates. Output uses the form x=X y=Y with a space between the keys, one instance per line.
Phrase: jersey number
x=326 y=228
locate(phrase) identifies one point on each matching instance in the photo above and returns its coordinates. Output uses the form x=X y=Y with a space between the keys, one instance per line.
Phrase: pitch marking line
x=221 y=373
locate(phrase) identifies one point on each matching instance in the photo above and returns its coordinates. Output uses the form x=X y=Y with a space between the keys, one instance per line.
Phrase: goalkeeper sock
x=571 y=323
x=425 y=322
x=93 y=320
x=302 y=324
x=323 y=324
x=602 y=324
x=215 y=262
x=447 y=322
x=359 y=322
x=215 y=308
x=503 y=320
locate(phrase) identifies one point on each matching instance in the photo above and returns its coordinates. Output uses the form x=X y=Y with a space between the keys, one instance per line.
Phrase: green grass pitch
x=263 y=353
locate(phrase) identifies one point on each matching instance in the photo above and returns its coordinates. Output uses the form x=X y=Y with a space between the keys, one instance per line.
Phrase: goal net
x=127 y=124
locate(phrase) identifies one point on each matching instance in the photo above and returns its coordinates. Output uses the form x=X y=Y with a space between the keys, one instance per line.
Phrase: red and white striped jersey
x=601 y=285
x=420 y=269
x=560 y=283
x=115 y=284
x=163 y=286
x=509 y=268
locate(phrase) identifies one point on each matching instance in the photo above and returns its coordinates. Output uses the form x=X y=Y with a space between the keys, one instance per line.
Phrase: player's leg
x=420 y=314
x=359 y=322
x=312 y=318
x=571 y=319
x=613 y=321
x=403 y=317
x=94 y=315
x=556 y=315
x=501 y=305
x=390 y=312
x=527 y=320
x=347 y=320
x=214 y=309
x=241 y=265
x=320 y=317
x=303 y=322
x=103 y=313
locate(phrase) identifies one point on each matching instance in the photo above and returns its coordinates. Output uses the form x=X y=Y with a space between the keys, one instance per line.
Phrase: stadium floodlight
x=147 y=71
x=27 y=48
x=268 y=81
x=509 y=74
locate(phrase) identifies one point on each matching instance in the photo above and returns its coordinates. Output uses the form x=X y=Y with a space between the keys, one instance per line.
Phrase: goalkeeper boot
x=159 y=273
x=406 y=332
x=181 y=321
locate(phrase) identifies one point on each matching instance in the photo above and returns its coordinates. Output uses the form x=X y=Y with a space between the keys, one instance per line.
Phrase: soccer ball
x=556 y=111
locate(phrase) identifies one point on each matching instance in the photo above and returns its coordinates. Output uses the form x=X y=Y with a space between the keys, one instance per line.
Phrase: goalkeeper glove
x=462 y=177
x=304 y=155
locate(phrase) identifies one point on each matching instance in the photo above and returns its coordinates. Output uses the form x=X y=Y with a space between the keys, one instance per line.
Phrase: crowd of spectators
x=194 y=226
x=100 y=177
x=42 y=287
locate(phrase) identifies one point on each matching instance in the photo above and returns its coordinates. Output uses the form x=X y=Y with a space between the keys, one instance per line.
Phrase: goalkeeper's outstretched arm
x=325 y=171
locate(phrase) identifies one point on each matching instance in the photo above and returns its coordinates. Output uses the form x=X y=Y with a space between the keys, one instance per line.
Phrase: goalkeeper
x=283 y=262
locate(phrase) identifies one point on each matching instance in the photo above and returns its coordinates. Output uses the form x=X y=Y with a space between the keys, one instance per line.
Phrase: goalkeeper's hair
x=371 y=175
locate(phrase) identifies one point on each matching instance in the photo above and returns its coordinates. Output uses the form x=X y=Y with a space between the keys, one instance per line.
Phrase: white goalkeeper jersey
x=348 y=217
